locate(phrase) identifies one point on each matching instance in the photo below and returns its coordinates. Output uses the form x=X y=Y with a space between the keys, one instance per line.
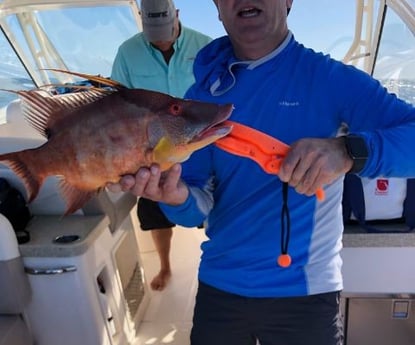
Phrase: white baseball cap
x=158 y=19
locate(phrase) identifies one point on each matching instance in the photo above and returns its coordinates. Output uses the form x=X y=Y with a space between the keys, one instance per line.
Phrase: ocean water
x=12 y=74
x=12 y=83
x=403 y=88
x=6 y=98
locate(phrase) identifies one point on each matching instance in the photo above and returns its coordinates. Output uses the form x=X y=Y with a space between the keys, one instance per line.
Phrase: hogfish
x=97 y=135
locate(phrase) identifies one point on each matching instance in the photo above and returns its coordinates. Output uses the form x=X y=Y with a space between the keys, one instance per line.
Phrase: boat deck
x=168 y=318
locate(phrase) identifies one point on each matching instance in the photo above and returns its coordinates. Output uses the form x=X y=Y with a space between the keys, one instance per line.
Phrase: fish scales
x=96 y=136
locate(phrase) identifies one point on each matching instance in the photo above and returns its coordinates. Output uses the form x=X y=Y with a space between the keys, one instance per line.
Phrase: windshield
x=395 y=66
x=326 y=27
x=78 y=39
x=12 y=74
x=86 y=39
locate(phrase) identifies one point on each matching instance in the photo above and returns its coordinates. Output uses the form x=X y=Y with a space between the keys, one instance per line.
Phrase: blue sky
x=317 y=23
x=200 y=15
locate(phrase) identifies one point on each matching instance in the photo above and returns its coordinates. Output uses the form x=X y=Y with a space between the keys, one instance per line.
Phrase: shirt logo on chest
x=289 y=103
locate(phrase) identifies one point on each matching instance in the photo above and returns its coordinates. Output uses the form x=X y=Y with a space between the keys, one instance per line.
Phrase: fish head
x=184 y=126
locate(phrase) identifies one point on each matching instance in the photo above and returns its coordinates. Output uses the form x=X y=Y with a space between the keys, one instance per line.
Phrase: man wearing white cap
x=161 y=59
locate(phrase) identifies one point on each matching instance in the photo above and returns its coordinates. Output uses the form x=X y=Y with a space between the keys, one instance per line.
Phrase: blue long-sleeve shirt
x=290 y=94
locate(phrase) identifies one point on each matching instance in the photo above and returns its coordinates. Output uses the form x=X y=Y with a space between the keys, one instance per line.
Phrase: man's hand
x=166 y=187
x=313 y=163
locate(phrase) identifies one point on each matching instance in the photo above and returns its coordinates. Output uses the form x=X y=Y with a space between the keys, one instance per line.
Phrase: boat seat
x=15 y=290
x=13 y=331
x=16 y=125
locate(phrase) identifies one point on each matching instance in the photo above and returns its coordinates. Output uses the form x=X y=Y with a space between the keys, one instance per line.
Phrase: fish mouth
x=213 y=133
x=217 y=130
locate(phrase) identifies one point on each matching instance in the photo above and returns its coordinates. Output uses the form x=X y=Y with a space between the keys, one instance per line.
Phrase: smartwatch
x=357 y=149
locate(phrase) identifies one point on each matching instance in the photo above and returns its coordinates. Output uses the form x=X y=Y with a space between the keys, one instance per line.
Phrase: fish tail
x=16 y=162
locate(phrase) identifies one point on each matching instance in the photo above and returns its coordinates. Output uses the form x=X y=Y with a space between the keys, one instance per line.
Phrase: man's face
x=166 y=45
x=255 y=20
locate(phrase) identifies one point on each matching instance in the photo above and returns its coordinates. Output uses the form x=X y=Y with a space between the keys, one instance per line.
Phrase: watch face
x=357 y=150
x=357 y=147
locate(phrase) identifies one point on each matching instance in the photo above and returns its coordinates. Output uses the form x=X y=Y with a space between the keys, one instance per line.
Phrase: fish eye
x=175 y=109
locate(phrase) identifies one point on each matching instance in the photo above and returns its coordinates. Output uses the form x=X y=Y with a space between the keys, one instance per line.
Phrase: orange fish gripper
x=265 y=150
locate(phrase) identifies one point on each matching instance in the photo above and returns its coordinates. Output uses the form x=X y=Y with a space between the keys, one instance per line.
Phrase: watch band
x=357 y=149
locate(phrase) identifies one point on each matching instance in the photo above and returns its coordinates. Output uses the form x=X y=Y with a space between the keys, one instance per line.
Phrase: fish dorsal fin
x=44 y=112
x=94 y=78
x=74 y=198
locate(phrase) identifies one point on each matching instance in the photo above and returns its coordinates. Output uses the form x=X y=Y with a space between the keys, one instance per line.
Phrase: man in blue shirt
x=303 y=98
x=161 y=59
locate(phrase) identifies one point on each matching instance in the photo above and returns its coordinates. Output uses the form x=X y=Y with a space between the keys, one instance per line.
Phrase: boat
x=84 y=278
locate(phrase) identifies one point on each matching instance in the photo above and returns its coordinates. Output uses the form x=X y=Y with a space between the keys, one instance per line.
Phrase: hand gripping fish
x=100 y=134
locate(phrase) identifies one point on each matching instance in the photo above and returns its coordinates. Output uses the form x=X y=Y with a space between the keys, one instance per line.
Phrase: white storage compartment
x=381 y=320
x=378 y=299
x=81 y=272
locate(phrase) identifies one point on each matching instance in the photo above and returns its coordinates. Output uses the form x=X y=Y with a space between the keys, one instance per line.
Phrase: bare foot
x=160 y=281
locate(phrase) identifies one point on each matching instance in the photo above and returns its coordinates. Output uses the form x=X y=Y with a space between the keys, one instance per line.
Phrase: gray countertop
x=354 y=236
x=105 y=211
x=44 y=229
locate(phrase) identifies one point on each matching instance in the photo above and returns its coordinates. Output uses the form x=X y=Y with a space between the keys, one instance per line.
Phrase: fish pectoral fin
x=162 y=150
x=74 y=197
